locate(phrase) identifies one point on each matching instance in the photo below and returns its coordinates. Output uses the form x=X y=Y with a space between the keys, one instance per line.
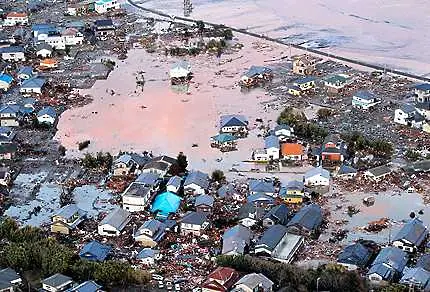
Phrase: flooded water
x=376 y=31
x=165 y=120
x=389 y=204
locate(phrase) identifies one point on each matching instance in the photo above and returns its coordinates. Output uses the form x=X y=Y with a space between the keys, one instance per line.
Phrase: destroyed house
x=57 y=283
x=196 y=182
x=236 y=240
x=221 y=279
x=7 y=151
x=261 y=186
x=256 y=74
x=424 y=262
x=25 y=72
x=422 y=92
x=174 y=184
x=307 y=220
x=354 y=256
x=416 y=278
x=378 y=173
x=114 y=223
x=234 y=124
x=276 y=215
x=5 y=82
x=67 y=219
x=253 y=282
x=194 y=223
x=304 y=64
x=9 y=280
x=411 y=236
x=388 y=265
x=128 y=163
x=180 y=70
x=150 y=233
x=204 y=203
x=95 y=251
x=165 y=204
x=305 y=83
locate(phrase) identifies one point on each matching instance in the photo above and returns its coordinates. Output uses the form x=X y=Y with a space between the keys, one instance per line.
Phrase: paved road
x=299 y=47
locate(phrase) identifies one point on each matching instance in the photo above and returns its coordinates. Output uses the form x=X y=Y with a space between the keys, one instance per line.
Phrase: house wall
x=317 y=181
x=44 y=53
x=307 y=85
x=12 y=122
x=111 y=5
x=118 y=171
x=73 y=40
x=147 y=261
x=374 y=277
x=197 y=190
x=107 y=230
x=400 y=117
x=45 y=119
x=4 y=85
x=233 y=129
x=283 y=132
x=171 y=188
x=273 y=153
x=190 y=229
x=248 y=222
x=6 y=156
x=59 y=228
x=293 y=157
x=56 y=42
x=293 y=200
x=135 y=204
x=261 y=156
x=407 y=247
x=350 y=267
x=294 y=92
x=31 y=90
x=11 y=21
x=204 y=209
x=332 y=157
x=19 y=56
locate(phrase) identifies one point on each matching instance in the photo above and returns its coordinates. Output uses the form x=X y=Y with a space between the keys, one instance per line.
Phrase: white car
x=157 y=277
x=160 y=285
x=177 y=287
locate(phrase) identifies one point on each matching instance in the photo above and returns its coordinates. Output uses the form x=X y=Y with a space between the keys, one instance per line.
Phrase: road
x=299 y=47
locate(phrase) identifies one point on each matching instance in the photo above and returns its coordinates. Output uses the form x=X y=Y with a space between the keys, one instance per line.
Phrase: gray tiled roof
x=197 y=177
x=393 y=257
x=308 y=217
x=260 y=186
x=204 y=199
x=117 y=219
x=355 y=254
x=69 y=211
x=56 y=280
x=279 y=214
x=233 y=120
x=196 y=218
x=272 y=236
x=149 y=179
x=414 y=232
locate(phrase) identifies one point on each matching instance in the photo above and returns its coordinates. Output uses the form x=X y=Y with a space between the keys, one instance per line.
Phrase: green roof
x=224 y=137
x=336 y=79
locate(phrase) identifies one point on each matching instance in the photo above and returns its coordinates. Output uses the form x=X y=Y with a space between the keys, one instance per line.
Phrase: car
x=177 y=287
x=157 y=277
x=160 y=285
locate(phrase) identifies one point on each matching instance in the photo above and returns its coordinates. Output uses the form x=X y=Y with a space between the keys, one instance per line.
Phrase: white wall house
x=16 y=18
x=47 y=116
x=136 y=197
x=72 y=37
x=317 y=177
x=194 y=223
x=404 y=114
x=114 y=223
x=56 y=41
x=12 y=53
x=103 y=6
x=364 y=100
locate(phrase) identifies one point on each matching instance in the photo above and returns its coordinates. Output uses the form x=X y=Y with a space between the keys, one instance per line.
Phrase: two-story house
x=150 y=233
x=194 y=223
x=236 y=125
x=114 y=223
x=411 y=236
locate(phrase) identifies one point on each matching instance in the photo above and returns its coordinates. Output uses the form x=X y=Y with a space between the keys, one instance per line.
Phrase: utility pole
x=188 y=7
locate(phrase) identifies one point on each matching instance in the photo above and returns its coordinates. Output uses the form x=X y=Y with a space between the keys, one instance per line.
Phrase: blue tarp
x=165 y=204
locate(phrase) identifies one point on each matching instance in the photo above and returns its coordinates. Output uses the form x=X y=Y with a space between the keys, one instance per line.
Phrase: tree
x=324 y=113
x=200 y=26
x=62 y=150
x=412 y=155
x=182 y=162
x=218 y=176
x=228 y=34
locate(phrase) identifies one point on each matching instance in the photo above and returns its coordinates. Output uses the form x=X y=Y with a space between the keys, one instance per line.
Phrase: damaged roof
x=413 y=232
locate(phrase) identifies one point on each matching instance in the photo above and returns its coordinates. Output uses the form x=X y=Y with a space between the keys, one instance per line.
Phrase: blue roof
x=12 y=49
x=174 y=181
x=414 y=232
x=26 y=70
x=355 y=254
x=6 y=78
x=145 y=253
x=309 y=217
x=271 y=142
x=317 y=171
x=304 y=80
x=149 y=179
x=233 y=120
x=224 y=137
x=415 y=276
x=279 y=214
x=257 y=70
x=35 y=82
x=260 y=197
x=387 y=273
x=346 y=169
x=364 y=95
x=49 y=110
x=272 y=236
x=393 y=257
x=87 y=286
x=204 y=199
x=423 y=87
x=40 y=26
x=95 y=251
x=261 y=186
x=166 y=203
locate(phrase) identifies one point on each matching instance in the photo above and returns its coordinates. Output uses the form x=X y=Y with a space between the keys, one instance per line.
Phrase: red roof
x=16 y=14
x=222 y=274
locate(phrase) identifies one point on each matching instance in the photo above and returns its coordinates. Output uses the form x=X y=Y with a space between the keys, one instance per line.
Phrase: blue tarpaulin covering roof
x=95 y=251
x=6 y=78
x=165 y=204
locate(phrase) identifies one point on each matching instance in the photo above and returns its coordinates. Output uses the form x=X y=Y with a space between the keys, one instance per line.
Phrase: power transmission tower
x=188 y=7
